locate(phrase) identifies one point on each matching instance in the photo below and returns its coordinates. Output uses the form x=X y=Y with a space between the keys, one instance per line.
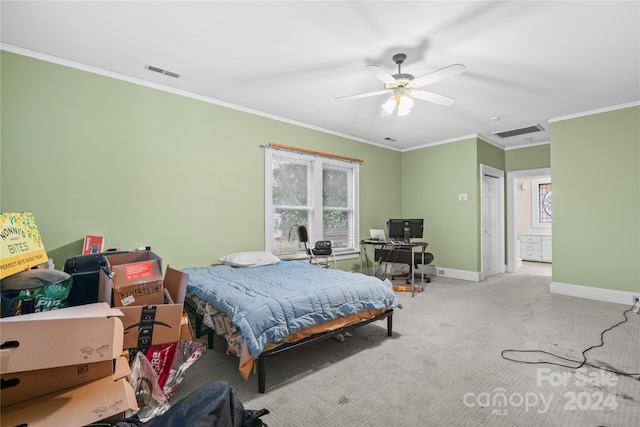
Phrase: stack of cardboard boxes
x=64 y=367
x=68 y=366
x=58 y=367
x=152 y=306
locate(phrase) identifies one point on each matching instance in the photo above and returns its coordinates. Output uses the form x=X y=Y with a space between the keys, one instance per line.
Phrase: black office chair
x=412 y=259
x=321 y=253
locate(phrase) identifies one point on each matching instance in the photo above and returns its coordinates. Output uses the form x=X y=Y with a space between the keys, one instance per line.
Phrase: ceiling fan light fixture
x=402 y=101
x=405 y=85
x=404 y=105
x=390 y=105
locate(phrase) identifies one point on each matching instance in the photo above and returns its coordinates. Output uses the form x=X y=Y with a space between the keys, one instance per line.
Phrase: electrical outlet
x=636 y=299
x=440 y=272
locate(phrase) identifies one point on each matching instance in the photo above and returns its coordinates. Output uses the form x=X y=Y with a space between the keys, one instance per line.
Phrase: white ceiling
x=527 y=62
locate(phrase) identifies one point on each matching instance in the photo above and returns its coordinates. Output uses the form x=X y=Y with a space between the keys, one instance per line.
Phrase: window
x=318 y=192
x=542 y=209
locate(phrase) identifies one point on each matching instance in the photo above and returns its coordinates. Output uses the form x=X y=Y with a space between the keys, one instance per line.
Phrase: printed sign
x=92 y=245
x=139 y=270
x=21 y=246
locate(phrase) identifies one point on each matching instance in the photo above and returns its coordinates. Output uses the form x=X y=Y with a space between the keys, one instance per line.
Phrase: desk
x=398 y=253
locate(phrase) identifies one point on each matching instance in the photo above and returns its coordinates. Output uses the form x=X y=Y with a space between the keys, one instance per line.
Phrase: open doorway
x=529 y=235
x=534 y=268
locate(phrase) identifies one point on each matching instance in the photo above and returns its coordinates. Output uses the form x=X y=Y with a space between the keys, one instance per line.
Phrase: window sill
x=302 y=257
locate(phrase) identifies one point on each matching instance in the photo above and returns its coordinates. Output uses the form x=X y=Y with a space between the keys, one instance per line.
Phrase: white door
x=490 y=226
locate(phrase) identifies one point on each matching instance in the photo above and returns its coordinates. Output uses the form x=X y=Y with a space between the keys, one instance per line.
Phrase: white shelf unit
x=535 y=247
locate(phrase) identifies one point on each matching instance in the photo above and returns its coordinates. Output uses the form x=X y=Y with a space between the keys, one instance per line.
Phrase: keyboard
x=390 y=242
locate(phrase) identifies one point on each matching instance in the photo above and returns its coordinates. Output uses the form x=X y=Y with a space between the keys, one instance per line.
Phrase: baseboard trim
x=471 y=276
x=590 y=292
x=431 y=270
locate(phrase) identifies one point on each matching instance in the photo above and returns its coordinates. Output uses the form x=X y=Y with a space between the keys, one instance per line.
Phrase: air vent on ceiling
x=162 y=71
x=521 y=131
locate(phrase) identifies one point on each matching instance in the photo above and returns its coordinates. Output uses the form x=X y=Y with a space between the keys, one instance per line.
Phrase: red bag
x=171 y=360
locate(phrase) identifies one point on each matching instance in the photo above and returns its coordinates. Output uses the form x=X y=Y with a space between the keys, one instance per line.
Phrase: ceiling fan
x=404 y=87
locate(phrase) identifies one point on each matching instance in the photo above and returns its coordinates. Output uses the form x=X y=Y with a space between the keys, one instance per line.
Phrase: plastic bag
x=144 y=380
x=34 y=290
x=170 y=361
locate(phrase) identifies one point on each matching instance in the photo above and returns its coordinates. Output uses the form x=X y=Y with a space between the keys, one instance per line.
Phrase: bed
x=263 y=310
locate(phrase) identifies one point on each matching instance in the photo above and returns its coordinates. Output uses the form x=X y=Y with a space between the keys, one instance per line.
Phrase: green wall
x=536 y=157
x=596 y=200
x=432 y=178
x=88 y=154
x=490 y=155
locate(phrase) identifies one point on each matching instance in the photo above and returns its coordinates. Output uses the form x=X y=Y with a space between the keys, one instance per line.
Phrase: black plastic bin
x=85 y=270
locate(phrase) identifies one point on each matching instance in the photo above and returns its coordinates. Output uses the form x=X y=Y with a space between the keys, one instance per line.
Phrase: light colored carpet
x=443 y=365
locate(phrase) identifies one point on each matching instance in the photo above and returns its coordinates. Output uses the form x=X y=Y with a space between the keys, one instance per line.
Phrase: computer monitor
x=405 y=229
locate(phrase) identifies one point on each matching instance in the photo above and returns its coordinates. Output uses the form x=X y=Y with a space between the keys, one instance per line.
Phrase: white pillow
x=249 y=259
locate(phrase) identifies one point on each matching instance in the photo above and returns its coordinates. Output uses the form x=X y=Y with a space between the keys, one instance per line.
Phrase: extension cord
x=635 y=308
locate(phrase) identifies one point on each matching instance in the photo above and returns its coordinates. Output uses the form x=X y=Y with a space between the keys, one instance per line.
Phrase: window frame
x=317 y=163
x=536 y=202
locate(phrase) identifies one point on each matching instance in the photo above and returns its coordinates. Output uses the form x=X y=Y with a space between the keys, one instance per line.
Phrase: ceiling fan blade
x=382 y=74
x=441 y=74
x=434 y=97
x=365 y=95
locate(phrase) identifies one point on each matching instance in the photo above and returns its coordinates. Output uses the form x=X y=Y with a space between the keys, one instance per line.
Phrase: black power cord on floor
x=582 y=363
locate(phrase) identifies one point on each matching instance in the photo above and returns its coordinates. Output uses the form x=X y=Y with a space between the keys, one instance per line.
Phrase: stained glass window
x=541 y=212
x=544 y=206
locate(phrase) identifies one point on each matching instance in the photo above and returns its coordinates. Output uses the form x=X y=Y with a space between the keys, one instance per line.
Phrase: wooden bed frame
x=262 y=369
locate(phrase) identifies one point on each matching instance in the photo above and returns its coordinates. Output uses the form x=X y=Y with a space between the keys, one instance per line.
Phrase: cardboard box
x=186 y=331
x=135 y=279
x=21 y=386
x=155 y=323
x=145 y=326
x=176 y=283
x=77 y=406
x=21 y=246
x=70 y=336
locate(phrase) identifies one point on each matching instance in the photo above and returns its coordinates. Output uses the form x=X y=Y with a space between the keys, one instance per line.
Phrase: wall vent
x=162 y=71
x=521 y=131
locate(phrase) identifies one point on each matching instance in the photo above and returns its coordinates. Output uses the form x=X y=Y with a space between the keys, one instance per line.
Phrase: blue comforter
x=268 y=303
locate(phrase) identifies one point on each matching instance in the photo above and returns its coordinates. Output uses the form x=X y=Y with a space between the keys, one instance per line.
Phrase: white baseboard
x=431 y=270
x=590 y=292
x=472 y=276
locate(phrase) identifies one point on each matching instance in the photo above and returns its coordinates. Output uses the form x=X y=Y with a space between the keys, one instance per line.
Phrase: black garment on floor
x=214 y=405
